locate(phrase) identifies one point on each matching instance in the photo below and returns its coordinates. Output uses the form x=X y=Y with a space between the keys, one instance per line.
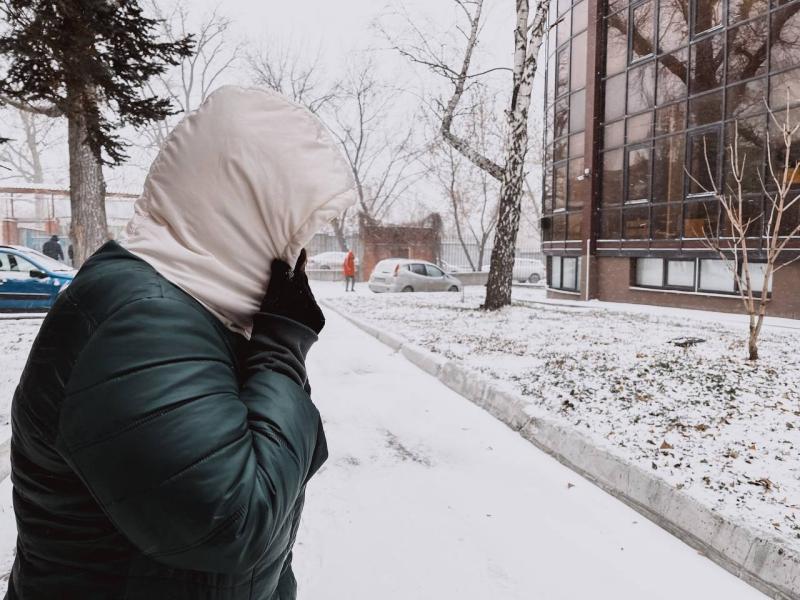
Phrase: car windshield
x=385 y=266
x=45 y=262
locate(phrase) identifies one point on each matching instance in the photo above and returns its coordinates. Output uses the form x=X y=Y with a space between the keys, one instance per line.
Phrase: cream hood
x=247 y=177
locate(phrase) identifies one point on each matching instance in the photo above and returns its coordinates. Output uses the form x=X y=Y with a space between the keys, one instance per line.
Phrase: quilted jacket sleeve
x=196 y=472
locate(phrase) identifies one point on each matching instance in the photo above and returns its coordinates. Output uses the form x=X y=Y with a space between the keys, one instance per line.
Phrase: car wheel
x=408 y=288
x=453 y=288
x=534 y=278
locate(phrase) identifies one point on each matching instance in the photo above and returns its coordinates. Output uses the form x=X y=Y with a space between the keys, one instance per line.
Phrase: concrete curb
x=762 y=560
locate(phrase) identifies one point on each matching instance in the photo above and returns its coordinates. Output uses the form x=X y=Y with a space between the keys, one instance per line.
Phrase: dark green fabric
x=154 y=453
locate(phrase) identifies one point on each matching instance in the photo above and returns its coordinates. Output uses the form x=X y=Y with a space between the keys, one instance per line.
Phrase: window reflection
x=640 y=127
x=561 y=117
x=707 y=15
x=671 y=118
x=700 y=219
x=614 y=134
x=560 y=187
x=668 y=161
x=666 y=221
x=705 y=109
x=612 y=178
x=641 y=88
x=562 y=82
x=577 y=115
x=578 y=66
x=636 y=223
x=746 y=99
x=708 y=60
x=574 y=222
x=563 y=28
x=639 y=174
x=672 y=76
x=559 y=227
x=703 y=161
x=785 y=37
x=747 y=50
x=578 y=190
x=610 y=224
x=641 y=30
x=741 y=10
x=576 y=143
x=784 y=88
x=579 y=17
x=616 y=43
x=615 y=97
x=673 y=24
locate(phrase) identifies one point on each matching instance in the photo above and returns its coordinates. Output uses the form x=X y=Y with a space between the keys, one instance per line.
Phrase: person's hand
x=289 y=295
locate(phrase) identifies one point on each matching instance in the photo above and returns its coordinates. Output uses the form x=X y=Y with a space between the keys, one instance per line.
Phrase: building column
x=592 y=138
x=9 y=233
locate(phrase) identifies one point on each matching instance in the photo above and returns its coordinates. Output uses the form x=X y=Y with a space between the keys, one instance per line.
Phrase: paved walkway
x=425 y=496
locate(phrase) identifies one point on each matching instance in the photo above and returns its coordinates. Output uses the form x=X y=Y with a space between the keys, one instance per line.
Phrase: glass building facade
x=643 y=100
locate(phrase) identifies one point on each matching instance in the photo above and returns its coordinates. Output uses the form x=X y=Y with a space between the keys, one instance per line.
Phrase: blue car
x=29 y=280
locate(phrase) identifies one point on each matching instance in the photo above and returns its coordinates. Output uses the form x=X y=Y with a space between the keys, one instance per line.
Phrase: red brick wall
x=388 y=241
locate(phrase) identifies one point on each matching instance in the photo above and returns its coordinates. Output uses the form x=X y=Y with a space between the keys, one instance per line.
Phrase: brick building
x=637 y=95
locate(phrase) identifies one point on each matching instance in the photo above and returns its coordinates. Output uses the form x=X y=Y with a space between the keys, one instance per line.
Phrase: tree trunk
x=338 y=229
x=752 y=344
x=87 y=190
x=498 y=288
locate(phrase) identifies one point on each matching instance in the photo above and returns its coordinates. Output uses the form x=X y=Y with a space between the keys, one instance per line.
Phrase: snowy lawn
x=701 y=417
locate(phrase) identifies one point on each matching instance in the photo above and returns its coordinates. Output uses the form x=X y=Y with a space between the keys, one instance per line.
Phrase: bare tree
x=195 y=76
x=471 y=191
x=282 y=68
x=383 y=161
x=743 y=224
x=23 y=155
x=528 y=36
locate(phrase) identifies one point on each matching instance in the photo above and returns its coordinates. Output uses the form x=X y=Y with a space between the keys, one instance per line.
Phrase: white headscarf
x=246 y=178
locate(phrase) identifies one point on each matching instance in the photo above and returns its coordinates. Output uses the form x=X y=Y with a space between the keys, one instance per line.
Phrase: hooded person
x=162 y=430
x=53 y=249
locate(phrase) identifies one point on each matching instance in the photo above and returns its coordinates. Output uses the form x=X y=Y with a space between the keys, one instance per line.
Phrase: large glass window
x=650 y=272
x=676 y=77
x=716 y=276
x=680 y=273
x=564 y=273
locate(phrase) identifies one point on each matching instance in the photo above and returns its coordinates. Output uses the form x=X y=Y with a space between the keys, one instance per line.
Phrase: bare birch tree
x=528 y=35
x=743 y=225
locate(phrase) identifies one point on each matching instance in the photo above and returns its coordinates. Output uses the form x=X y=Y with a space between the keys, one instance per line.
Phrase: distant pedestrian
x=71 y=254
x=53 y=249
x=349 y=269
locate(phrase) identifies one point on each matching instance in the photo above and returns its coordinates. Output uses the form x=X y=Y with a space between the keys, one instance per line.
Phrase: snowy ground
x=702 y=418
x=427 y=497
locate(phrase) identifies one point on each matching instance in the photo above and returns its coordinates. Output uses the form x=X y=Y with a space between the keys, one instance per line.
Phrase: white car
x=408 y=275
x=327 y=261
x=526 y=270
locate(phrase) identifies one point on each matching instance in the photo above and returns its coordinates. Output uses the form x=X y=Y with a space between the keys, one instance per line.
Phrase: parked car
x=29 y=280
x=327 y=261
x=408 y=275
x=526 y=270
x=451 y=268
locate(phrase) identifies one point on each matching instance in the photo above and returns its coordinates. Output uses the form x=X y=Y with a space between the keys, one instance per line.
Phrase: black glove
x=289 y=295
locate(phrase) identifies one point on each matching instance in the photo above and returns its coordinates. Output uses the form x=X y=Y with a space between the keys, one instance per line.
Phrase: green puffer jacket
x=155 y=454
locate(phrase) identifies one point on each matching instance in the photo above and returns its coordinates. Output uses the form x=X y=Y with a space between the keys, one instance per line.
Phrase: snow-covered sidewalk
x=426 y=496
x=701 y=418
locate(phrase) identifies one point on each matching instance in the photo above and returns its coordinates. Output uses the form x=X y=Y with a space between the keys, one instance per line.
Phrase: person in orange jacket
x=349 y=269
